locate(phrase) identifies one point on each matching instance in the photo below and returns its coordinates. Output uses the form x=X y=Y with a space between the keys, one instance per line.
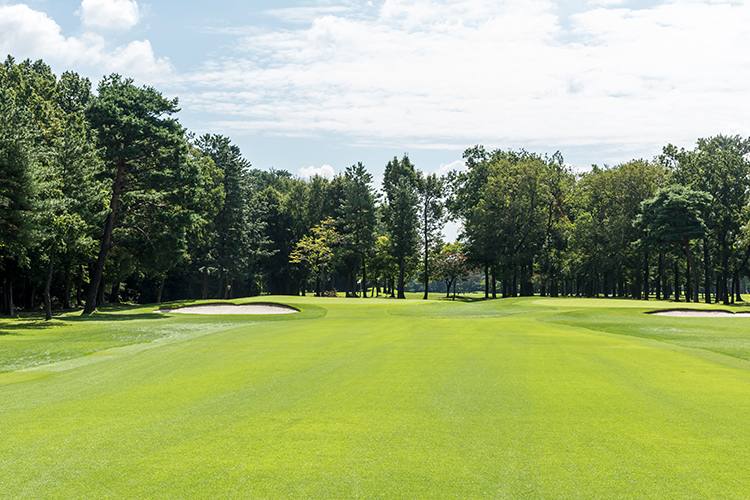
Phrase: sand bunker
x=258 y=308
x=697 y=313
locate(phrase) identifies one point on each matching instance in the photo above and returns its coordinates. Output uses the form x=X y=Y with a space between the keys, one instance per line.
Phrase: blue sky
x=315 y=86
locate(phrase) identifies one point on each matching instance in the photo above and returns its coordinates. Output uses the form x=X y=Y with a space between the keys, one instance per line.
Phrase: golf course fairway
x=378 y=398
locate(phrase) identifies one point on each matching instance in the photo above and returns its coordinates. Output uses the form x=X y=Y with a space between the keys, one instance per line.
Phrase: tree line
x=105 y=197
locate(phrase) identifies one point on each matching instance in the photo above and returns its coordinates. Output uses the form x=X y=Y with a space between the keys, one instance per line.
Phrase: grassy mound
x=521 y=398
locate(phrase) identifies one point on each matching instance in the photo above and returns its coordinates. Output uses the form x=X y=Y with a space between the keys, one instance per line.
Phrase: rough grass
x=521 y=398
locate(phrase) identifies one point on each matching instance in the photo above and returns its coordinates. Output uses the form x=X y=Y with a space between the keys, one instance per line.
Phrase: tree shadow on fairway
x=115 y=317
x=460 y=298
x=19 y=325
x=117 y=312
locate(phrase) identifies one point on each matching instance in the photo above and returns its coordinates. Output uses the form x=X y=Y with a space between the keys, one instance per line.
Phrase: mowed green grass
x=373 y=398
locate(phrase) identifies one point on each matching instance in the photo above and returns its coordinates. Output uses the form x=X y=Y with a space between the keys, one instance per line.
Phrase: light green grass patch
x=377 y=398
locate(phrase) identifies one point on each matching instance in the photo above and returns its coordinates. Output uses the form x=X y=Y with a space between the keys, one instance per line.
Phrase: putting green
x=374 y=398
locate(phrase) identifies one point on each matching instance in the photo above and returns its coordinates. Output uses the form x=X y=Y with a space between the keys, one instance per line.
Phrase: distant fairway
x=378 y=398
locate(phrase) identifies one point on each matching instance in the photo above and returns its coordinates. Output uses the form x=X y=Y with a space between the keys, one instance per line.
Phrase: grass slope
x=522 y=398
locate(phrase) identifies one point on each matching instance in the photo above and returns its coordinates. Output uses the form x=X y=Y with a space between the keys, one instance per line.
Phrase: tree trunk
x=724 y=268
x=364 y=278
x=100 y=294
x=637 y=292
x=706 y=273
x=595 y=284
x=48 y=283
x=31 y=297
x=204 y=292
x=688 y=286
x=401 y=284
x=160 y=290
x=11 y=305
x=486 y=281
x=98 y=270
x=66 y=298
x=677 y=281
x=659 y=275
x=426 y=250
x=114 y=297
x=718 y=288
x=494 y=284
x=106 y=245
x=736 y=280
x=527 y=287
x=646 y=276
x=691 y=265
x=79 y=287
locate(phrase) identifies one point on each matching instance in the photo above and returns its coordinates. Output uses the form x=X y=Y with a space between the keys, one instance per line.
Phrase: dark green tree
x=400 y=182
x=674 y=215
x=431 y=189
x=719 y=166
x=358 y=218
x=18 y=190
x=236 y=230
x=144 y=152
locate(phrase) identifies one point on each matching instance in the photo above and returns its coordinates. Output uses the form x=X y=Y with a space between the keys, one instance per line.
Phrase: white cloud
x=446 y=74
x=449 y=167
x=304 y=14
x=607 y=3
x=27 y=33
x=311 y=171
x=109 y=14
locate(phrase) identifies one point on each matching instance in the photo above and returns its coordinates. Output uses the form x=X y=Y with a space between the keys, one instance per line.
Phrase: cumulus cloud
x=449 y=167
x=27 y=33
x=323 y=171
x=446 y=74
x=109 y=14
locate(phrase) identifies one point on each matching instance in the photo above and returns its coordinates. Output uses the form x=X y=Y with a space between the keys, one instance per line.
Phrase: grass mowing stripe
x=375 y=400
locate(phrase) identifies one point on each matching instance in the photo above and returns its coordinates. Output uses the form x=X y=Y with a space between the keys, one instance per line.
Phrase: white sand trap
x=697 y=313
x=258 y=308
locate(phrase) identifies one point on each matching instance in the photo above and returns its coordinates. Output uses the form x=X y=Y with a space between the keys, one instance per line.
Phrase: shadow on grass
x=120 y=313
x=14 y=326
x=464 y=299
x=102 y=316
x=31 y=321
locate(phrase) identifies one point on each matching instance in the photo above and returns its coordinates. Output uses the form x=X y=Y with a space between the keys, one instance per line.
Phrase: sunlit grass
x=378 y=398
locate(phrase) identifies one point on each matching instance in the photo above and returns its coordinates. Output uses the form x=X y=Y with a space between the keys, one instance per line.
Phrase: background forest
x=105 y=198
